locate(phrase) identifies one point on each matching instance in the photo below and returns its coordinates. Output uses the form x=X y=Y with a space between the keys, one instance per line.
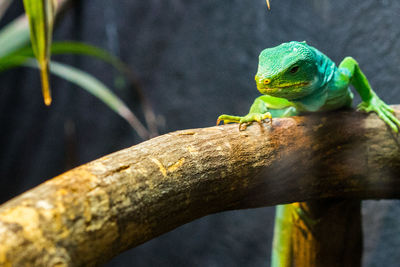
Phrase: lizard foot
x=251 y=117
x=386 y=113
x=245 y=120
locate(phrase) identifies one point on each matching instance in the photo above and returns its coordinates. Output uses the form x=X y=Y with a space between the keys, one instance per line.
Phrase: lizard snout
x=262 y=81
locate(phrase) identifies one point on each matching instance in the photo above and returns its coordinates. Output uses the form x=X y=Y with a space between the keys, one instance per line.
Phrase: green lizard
x=294 y=78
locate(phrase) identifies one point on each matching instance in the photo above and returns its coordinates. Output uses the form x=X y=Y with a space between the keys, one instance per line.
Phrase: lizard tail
x=281 y=245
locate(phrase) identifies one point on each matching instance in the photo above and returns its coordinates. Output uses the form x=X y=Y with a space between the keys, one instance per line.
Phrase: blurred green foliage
x=15 y=51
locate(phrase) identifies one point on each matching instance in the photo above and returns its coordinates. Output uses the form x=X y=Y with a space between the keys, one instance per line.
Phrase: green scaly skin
x=294 y=78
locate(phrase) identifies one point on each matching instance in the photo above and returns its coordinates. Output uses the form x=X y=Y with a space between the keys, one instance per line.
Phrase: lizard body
x=295 y=78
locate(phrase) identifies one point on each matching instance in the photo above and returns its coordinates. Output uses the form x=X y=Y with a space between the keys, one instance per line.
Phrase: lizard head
x=288 y=71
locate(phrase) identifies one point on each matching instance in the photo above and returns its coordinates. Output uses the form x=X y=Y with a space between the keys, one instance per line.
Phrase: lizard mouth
x=292 y=85
x=283 y=86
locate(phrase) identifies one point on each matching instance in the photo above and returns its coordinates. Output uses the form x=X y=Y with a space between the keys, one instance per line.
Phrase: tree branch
x=94 y=212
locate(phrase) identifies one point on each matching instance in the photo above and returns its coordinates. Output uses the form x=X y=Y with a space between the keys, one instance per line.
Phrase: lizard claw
x=243 y=126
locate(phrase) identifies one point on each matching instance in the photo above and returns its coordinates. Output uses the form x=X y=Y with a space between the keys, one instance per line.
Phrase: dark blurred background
x=195 y=60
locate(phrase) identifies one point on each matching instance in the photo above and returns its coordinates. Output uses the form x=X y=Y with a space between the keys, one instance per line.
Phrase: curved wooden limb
x=90 y=214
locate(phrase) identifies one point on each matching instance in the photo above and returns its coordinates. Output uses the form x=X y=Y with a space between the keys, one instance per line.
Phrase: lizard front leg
x=351 y=73
x=264 y=107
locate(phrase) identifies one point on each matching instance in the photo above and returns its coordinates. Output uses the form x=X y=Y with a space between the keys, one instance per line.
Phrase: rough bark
x=92 y=213
x=332 y=237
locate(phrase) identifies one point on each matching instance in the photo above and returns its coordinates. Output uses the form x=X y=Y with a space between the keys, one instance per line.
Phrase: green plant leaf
x=14 y=58
x=41 y=15
x=79 y=48
x=96 y=88
x=14 y=36
x=82 y=79
x=70 y=47
x=64 y=47
x=11 y=61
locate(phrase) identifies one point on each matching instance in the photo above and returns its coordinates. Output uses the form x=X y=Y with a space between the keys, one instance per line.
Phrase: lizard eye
x=267 y=81
x=294 y=69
